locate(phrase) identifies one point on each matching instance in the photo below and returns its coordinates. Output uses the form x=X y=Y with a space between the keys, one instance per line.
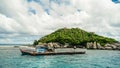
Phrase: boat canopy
x=41 y=48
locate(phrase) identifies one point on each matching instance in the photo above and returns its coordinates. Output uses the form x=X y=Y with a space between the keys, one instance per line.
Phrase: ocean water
x=12 y=58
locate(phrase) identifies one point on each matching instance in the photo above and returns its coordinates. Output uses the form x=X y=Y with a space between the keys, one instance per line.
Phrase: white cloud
x=101 y=17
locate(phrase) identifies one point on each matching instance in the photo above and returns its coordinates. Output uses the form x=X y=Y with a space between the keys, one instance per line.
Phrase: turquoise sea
x=12 y=58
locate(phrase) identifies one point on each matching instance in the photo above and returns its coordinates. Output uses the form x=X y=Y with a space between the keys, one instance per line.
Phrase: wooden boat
x=34 y=53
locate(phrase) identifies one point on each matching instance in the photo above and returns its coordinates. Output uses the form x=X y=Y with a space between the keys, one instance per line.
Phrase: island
x=70 y=37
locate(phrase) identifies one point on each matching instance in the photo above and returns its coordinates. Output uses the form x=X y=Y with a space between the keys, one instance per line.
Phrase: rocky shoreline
x=95 y=45
x=89 y=45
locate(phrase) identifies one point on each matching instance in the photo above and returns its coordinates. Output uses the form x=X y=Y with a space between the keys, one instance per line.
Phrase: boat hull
x=24 y=52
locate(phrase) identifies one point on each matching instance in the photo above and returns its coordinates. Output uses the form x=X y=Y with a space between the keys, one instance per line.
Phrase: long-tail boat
x=45 y=51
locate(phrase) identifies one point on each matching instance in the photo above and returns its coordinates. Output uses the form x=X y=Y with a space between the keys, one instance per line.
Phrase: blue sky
x=116 y=1
x=23 y=21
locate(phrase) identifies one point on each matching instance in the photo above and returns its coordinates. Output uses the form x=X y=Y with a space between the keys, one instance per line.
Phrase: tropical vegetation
x=74 y=36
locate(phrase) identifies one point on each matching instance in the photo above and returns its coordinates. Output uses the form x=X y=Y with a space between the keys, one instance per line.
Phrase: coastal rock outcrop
x=99 y=46
x=89 y=45
x=92 y=45
x=95 y=45
x=56 y=45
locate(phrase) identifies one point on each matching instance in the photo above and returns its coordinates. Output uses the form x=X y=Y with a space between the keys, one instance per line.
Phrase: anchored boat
x=41 y=50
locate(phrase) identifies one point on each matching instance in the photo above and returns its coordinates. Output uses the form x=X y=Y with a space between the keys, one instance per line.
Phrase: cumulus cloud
x=35 y=18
